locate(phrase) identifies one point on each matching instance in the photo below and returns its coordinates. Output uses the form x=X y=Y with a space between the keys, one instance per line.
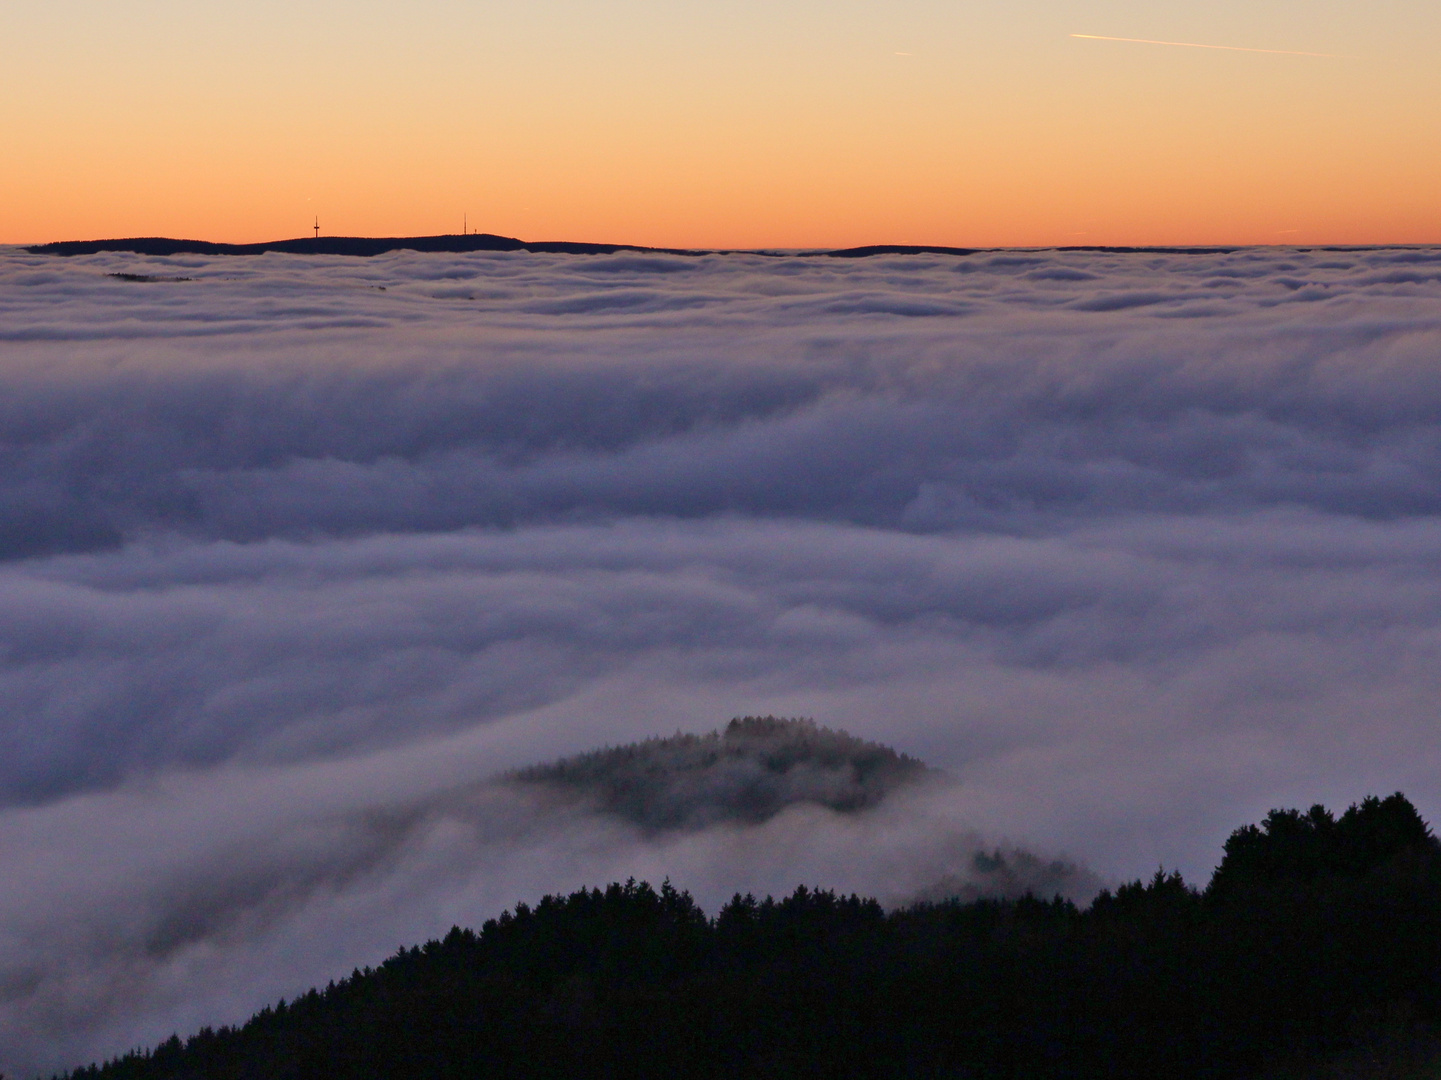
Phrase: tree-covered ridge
x=1314 y=951
x=747 y=773
x=1293 y=846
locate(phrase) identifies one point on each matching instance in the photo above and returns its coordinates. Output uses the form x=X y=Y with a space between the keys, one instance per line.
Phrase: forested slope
x=1314 y=950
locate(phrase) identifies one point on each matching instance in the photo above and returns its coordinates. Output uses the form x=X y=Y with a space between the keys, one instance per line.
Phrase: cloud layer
x=297 y=552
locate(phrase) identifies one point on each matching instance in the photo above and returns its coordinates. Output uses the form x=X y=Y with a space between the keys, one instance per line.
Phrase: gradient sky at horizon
x=743 y=124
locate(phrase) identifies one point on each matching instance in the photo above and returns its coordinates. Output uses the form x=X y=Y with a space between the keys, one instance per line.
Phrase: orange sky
x=782 y=124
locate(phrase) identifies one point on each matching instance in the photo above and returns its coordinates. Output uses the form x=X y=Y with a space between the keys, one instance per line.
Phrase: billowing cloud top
x=295 y=552
x=278 y=396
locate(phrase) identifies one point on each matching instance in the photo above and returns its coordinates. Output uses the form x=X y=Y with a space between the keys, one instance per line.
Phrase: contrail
x=1194 y=45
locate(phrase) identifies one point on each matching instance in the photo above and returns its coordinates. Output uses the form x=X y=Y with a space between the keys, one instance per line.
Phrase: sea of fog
x=297 y=554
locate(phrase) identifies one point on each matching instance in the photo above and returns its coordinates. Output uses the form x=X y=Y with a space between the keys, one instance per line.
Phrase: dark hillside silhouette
x=1315 y=951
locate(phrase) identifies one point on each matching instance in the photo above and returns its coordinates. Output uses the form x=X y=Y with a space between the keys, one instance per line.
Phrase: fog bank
x=298 y=555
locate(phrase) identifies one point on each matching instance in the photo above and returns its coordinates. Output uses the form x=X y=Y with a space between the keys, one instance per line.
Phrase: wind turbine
x=317 y=226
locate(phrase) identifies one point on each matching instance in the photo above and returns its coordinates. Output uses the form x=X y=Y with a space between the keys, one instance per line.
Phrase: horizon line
x=460 y=243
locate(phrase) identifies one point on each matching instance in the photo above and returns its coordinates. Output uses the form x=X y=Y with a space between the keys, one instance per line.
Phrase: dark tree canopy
x=1291 y=846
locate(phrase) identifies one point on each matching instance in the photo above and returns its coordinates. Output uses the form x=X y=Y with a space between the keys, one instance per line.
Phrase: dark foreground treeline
x=1314 y=951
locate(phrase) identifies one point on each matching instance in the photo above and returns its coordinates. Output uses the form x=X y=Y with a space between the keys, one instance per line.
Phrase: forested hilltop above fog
x=1312 y=952
x=759 y=767
x=749 y=772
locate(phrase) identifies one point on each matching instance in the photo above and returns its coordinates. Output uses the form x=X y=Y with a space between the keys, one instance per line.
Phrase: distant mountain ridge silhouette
x=366 y=246
x=332 y=245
